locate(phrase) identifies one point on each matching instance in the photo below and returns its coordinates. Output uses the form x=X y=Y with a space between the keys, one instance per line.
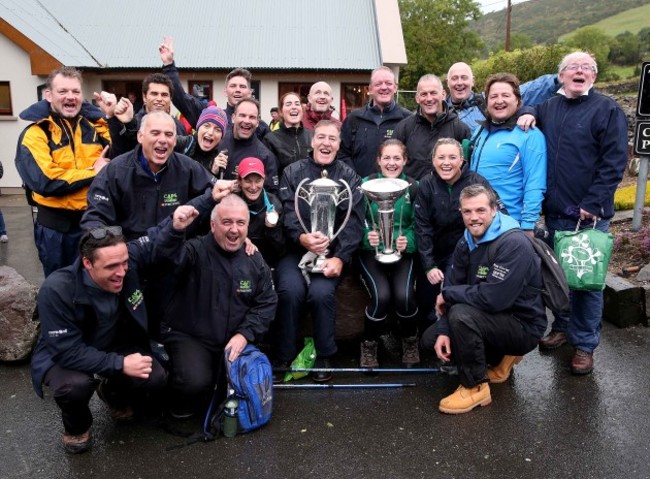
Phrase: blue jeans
x=56 y=250
x=293 y=295
x=3 y=228
x=583 y=323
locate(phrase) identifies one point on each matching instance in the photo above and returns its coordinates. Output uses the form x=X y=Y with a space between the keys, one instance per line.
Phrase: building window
x=5 y=98
x=353 y=96
x=301 y=89
x=201 y=90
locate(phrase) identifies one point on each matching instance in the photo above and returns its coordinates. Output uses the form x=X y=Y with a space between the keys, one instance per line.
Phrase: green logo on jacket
x=136 y=299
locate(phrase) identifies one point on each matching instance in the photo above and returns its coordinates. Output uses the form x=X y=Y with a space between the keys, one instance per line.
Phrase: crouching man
x=94 y=330
x=224 y=300
x=491 y=308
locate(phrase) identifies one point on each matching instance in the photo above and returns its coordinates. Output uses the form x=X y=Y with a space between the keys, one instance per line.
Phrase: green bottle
x=230 y=421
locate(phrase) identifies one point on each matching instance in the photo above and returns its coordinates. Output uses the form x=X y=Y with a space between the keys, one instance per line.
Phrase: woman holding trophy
x=387 y=256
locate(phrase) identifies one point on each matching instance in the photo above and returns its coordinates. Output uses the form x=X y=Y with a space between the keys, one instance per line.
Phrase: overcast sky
x=492 y=5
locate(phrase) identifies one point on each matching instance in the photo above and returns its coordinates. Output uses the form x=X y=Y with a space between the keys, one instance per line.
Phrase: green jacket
x=404 y=211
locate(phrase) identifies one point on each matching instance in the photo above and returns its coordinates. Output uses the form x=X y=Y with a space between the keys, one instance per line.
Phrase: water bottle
x=230 y=422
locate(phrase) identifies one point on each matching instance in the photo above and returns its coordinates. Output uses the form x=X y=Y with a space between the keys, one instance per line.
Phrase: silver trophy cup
x=323 y=196
x=385 y=192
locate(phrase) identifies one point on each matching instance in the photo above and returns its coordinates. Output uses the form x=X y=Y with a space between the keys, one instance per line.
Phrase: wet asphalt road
x=543 y=423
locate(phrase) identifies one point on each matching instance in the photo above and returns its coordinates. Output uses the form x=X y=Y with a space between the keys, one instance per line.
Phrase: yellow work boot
x=501 y=372
x=464 y=399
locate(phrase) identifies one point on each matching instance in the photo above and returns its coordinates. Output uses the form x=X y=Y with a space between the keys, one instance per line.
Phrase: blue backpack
x=251 y=378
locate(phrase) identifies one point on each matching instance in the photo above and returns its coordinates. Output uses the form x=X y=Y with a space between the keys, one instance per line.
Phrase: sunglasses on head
x=101 y=232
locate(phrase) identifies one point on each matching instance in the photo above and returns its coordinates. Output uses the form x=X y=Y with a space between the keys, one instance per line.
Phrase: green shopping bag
x=584 y=256
x=305 y=360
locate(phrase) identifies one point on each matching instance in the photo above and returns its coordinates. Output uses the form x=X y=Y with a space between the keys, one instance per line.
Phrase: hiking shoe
x=368 y=358
x=322 y=376
x=552 y=340
x=118 y=413
x=410 y=352
x=181 y=413
x=582 y=362
x=501 y=372
x=4 y=239
x=77 y=444
x=465 y=399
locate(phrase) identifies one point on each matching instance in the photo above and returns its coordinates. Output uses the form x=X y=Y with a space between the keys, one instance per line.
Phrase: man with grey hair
x=366 y=128
x=138 y=189
x=319 y=106
x=224 y=300
x=432 y=120
x=586 y=142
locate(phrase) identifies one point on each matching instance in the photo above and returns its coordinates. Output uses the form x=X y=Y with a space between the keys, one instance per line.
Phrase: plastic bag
x=305 y=359
x=584 y=256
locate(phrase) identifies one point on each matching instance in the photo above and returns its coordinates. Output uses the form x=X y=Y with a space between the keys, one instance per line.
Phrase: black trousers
x=72 y=391
x=479 y=338
x=195 y=370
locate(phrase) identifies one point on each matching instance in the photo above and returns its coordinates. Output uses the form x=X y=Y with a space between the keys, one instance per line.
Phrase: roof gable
x=277 y=34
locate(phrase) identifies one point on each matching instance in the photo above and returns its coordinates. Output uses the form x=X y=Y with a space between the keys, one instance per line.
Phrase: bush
x=526 y=64
x=625 y=197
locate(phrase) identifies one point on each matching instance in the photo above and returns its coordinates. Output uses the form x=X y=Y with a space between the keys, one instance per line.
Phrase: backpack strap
x=492 y=247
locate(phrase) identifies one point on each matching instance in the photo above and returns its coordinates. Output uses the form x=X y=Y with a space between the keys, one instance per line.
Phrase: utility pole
x=508 y=11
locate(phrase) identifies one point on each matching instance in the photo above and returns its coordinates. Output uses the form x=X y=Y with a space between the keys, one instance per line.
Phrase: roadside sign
x=642 y=138
x=643 y=102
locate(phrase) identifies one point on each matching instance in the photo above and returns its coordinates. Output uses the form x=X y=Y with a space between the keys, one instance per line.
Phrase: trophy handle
x=347 y=215
x=296 y=204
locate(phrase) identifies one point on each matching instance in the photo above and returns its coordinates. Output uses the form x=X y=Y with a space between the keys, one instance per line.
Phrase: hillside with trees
x=544 y=21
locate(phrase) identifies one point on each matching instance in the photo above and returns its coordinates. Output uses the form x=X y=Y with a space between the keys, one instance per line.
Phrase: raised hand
x=184 y=215
x=166 y=50
x=106 y=101
x=124 y=110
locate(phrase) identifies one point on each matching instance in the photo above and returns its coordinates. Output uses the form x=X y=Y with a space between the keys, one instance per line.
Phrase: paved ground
x=543 y=423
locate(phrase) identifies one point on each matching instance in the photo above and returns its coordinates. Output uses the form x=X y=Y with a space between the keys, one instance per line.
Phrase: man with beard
x=243 y=143
x=298 y=287
x=366 y=128
x=431 y=121
x=491 y=307
x=58 y=156
x=319 y=106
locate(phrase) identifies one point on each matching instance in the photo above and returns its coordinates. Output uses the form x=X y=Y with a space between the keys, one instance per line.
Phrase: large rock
x=18 y=333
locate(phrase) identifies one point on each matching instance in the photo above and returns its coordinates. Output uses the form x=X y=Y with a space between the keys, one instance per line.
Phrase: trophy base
x=318 y=265
x=388 y=258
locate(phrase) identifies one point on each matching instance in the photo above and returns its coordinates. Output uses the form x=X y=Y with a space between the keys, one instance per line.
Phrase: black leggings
x=388 y=284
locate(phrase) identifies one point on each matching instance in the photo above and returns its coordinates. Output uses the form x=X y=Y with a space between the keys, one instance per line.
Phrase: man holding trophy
x=323 y=221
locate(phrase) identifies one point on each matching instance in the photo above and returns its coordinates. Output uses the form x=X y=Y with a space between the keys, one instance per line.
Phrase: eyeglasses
x=101 y=231
x=572 y=67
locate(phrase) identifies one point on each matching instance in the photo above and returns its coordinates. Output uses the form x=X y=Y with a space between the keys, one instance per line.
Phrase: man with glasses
x=586 y=142
x=94 y=330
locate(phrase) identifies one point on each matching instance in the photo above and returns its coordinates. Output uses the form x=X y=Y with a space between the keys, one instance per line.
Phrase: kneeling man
x=94 y=330
x=491 y=307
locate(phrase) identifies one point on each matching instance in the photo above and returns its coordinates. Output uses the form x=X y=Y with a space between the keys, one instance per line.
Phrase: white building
x=287 y=45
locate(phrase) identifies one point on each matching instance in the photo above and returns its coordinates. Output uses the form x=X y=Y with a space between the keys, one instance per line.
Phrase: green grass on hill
x=631 y=20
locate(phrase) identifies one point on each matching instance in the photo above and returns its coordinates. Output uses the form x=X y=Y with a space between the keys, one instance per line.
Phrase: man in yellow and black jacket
x=58 y=156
